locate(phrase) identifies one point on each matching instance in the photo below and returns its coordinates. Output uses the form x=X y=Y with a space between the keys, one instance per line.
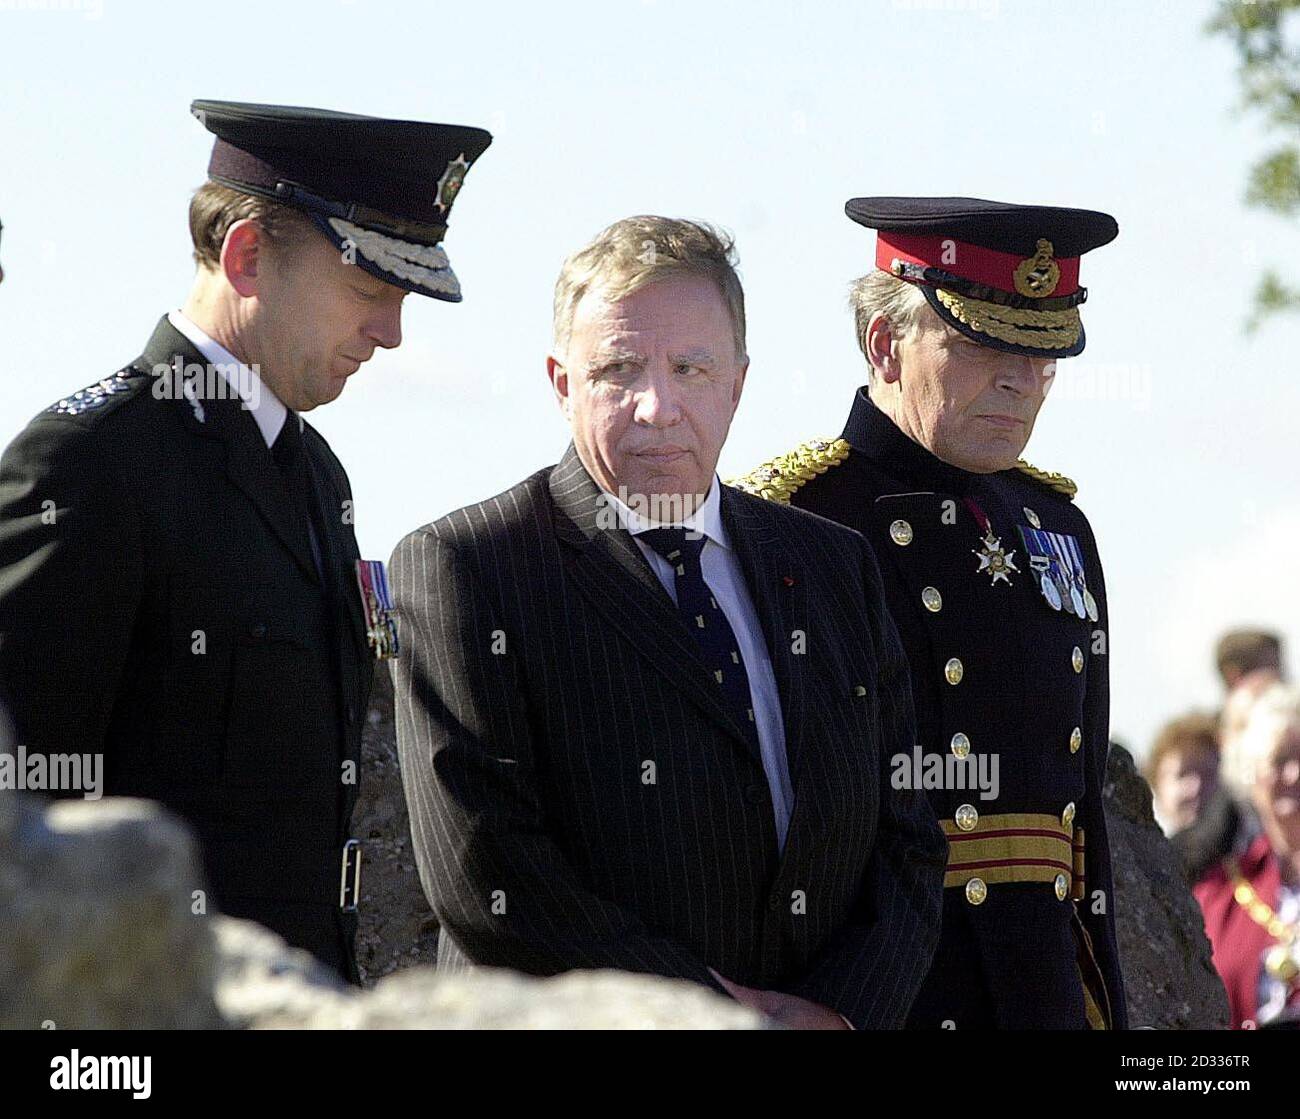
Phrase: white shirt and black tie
x=269 y=412
x=725 y=578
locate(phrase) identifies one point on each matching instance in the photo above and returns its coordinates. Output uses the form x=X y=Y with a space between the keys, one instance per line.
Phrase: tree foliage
x=1266 y=37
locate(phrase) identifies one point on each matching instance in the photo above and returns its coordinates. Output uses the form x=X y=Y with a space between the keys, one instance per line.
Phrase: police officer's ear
x=243 y=255
x=882 y=349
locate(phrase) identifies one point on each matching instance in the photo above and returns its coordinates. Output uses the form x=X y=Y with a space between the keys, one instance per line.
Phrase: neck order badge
x=994 y=559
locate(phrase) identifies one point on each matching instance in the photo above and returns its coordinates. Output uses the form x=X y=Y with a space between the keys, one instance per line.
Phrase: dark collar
x=874 y=435
x=245 y=457
x=223 y=416
x=164 y=345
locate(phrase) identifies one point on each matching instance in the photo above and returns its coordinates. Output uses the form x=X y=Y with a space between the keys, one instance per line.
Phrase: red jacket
x=1239 y=941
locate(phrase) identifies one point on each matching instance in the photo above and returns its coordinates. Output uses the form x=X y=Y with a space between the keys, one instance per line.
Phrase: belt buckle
x=350 y=883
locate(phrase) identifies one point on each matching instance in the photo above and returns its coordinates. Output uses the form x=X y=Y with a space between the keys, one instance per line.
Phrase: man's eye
x=617 y=369
x=368 y=296
x=683 y=369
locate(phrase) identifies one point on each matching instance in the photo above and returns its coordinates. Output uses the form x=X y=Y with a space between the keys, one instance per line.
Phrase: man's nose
x=1021 y=376
x=385 y=328
x=656 y=401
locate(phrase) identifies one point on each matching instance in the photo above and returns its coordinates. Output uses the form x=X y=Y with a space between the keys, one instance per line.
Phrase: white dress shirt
x=268 y=409
x=726 y=579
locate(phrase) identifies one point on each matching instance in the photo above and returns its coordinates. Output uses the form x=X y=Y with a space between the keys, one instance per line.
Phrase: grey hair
x=636 y=252
x=879 y=293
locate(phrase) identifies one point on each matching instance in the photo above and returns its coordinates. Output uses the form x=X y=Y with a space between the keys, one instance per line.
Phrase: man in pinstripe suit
x=645 y=722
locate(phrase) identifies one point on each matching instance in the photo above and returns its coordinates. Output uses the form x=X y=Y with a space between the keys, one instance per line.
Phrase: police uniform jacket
x=160 y=604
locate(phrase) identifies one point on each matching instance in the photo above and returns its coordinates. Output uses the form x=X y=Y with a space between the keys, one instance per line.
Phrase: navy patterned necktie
x=705 y=619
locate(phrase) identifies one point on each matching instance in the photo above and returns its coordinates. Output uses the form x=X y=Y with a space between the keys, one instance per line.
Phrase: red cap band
x=971 y=262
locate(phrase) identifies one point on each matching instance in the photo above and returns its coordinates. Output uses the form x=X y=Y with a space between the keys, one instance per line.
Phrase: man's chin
x=664 y=496
x=330 y=391
x=991 y=456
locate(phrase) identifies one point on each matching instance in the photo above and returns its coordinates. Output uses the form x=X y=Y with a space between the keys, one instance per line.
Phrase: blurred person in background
x=1251 y=899
x=1203 y=820
x=1241 y=698
x=1240 y=652
x=1183 y=770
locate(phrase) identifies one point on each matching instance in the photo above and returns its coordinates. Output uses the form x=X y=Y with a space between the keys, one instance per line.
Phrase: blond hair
x=1273 y=714
x=636 y=252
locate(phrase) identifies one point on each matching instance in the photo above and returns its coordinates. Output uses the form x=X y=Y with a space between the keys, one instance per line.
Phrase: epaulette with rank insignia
x=92 y=396
x=1058 y=482
x=778 y=478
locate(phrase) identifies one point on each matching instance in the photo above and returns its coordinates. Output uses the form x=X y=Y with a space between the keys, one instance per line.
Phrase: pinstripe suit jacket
x=580 y=796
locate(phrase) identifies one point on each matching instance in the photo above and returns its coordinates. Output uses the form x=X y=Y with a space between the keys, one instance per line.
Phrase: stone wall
x=99 y=930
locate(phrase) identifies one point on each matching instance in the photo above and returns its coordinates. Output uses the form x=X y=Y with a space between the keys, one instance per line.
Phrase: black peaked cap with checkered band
x=380 y=190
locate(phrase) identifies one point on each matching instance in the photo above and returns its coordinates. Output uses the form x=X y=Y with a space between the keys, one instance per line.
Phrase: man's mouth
x=662 y=454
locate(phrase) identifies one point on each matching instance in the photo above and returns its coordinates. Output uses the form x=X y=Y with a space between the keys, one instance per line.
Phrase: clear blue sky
x=762 y=117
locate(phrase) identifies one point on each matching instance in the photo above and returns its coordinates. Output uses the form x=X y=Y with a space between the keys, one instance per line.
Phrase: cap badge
x=450 y=183
x=1037 y=276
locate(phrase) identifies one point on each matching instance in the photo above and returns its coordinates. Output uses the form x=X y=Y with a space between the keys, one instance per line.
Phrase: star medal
x=994 y=559
x=377 y=605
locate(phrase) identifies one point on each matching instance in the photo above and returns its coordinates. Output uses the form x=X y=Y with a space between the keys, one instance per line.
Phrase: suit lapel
x=610 y=570
x=248 y=461
x=769 y=554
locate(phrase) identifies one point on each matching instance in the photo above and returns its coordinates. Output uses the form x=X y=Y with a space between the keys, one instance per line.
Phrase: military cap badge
x=1004 y=275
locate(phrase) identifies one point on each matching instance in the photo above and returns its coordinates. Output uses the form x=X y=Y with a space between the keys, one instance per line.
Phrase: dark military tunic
x=171 y=615
x=995 y=670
